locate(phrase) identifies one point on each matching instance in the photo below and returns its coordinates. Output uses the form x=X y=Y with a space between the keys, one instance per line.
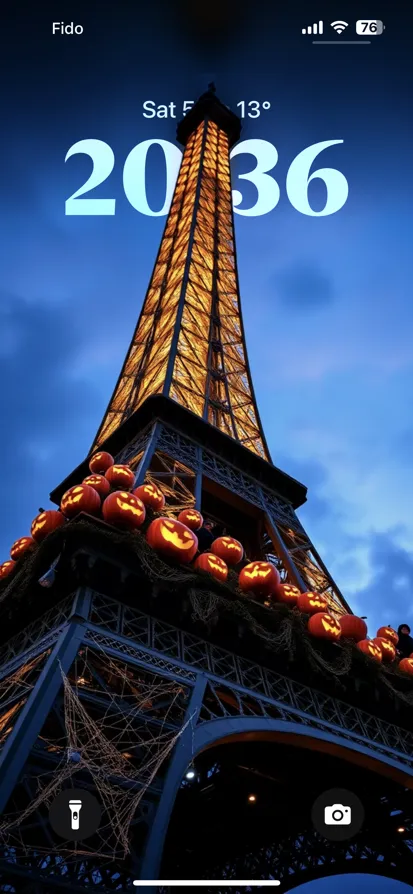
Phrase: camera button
x=337 y=814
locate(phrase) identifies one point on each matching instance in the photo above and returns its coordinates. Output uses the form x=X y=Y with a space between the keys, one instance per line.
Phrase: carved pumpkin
x=123 y=509
x=406 y=665
x=46 y=522
x=287 y=593
x=261 y=578
x=80 y=498
x=388 y=633
x=99 y=483
x=370 y=648
x=353 y=627
x=213 y=565
x=101 y=462
x=7 y=568
x=173 y=539
x=388 y=649
x=311 y=603
x=324 y=626
x=228 y=549
x=120 y=476
x=151 y=495
x=191 y=518
x=21 y=546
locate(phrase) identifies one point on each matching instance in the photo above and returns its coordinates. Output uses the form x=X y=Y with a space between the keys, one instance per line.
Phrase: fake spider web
x=119 y=726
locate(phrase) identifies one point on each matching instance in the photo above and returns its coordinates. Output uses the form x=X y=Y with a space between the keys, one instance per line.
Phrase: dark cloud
x=303 y=287
x=43 y=407
x=388 y=595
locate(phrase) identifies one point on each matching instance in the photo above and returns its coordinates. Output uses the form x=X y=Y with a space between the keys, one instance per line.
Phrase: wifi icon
x=339 y=27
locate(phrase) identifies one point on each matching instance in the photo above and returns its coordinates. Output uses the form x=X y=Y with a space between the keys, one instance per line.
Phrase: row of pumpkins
x=176 y=539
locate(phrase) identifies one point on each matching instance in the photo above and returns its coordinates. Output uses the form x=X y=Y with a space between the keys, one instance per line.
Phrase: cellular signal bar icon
x=313 y=29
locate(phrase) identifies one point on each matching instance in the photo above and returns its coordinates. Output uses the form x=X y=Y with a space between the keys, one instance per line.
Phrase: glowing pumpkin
x=191 y=518
x=120 y=476
x=7 y=568
x=99 y=483
x=370 y=648
x=388 y=649
x=80 y=498
x=101 y=462
x=151 y=495
x=212 y=564
x=173 y=539
x=261 y=578
x=353 y=627
x=311 y=603
x=46 y=522
x=228 y=549
x=123 y=509
x=388 y=633
x=21 y=546
x=324 y=626
x=406 y=665
x=287 y=593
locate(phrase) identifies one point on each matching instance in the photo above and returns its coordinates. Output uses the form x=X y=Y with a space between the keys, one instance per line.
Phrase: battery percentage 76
x=369 y=26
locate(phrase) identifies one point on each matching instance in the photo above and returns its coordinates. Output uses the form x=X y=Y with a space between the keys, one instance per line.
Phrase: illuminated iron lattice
x=189 y=342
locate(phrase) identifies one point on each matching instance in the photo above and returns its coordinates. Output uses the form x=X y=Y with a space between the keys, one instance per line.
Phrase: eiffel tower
x=205 y=720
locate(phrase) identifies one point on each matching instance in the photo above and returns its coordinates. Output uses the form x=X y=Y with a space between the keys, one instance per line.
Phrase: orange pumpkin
x=261 y=578
x=388 y=633
x=388 y=649
x=101 y=462
x=212 y=564
x=353 y=627
x=406 y=665
x=80 y=498
x=123 y=509
x=7 y=568
x=173 y=539
x=151 y=495
x=310 y=603
x=46 y=522
x=99 y=483
x=370 y=648
x=287 y=593
x=21 y=546
x=228 y=549
x=120 y=476
x=324 y=626
x=191 y=518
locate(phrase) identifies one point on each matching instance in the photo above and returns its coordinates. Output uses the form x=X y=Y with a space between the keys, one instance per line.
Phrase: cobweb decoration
x=120 y=724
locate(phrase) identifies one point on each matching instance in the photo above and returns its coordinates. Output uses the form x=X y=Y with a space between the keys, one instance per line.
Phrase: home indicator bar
x=208 y=883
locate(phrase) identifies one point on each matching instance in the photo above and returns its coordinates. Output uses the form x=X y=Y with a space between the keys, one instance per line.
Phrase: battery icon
x=369 y=27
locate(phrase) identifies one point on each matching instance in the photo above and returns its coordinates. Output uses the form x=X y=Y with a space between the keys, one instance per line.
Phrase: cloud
x=303 y=287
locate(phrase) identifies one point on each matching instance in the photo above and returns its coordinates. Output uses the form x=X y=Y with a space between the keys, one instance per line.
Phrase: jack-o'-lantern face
x=324 y=626
x=259 y=577
x=172 y=538
x=388 y=633
x=46 y=522
x=312 y=602
x=99 y=483
x=123 y=509
x=406 y=666
x=7 y=568
x=80 y=498
x=371 y=649
x=21 y=546
x=287 y=593
x=388 y=649
x=228 y=549
x=191 y=518
x=120 y=476
x=151 y=495
x=100 y=462
x=213 y=565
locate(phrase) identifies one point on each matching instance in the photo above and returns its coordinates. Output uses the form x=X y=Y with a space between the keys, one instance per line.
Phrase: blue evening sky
x=326 y=301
